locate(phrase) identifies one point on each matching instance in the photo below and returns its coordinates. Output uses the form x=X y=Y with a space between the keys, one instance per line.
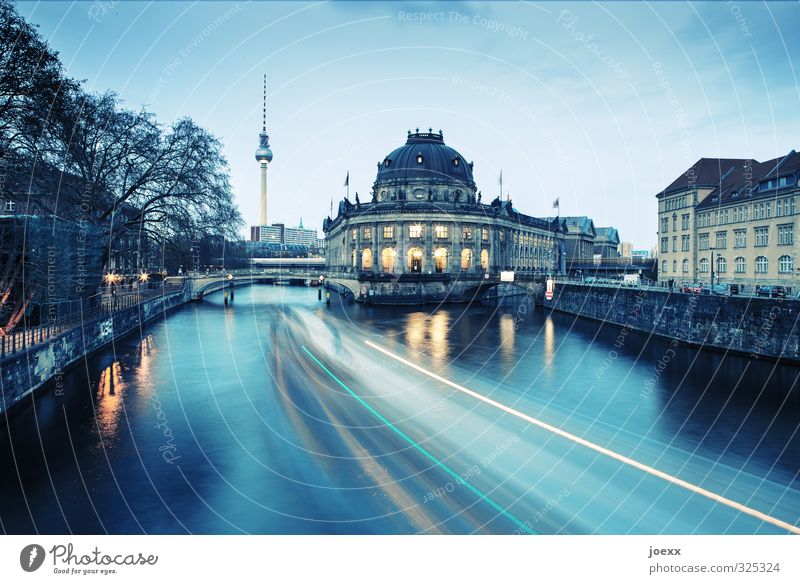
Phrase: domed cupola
x=425 y=168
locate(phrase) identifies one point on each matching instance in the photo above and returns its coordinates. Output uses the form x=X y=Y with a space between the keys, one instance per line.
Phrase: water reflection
x=429 y=334
x=109 y=401
x=507 y=336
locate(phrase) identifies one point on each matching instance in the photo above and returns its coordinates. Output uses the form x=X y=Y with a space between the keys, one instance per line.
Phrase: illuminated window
x=415 y=230
x=467 y=232
x=387 y=259
x=415 y=260
x=355 y=232
x=466 y=259
x=485 y=260
x=366 y=259
x=367 y=232
x=440 y=231
x=419 y=158
x=440 y=260
x=388 y=232
x=485 y=234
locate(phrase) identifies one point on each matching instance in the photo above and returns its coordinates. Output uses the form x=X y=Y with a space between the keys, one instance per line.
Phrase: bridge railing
x=75 y=313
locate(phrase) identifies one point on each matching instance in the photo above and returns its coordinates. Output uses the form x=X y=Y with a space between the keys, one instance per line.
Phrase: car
x=771 y=291
x=725 y=289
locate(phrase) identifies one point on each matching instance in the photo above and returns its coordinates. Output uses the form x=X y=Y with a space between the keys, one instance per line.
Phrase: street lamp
x=712 y=249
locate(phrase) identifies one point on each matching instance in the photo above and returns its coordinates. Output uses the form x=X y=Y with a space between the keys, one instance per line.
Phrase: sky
x=600 y=105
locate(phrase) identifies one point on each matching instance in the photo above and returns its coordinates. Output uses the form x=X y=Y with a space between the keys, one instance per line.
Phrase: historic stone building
x=734 y=218
x=427 y=235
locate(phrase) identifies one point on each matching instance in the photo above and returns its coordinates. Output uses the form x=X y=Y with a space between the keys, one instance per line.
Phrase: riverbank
x=759 y=328
x=44 y=364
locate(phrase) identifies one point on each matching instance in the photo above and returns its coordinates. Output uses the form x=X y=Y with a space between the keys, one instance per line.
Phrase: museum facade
x=426 y=235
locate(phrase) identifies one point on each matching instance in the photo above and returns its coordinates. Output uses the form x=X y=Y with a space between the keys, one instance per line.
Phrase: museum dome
x=425 y=157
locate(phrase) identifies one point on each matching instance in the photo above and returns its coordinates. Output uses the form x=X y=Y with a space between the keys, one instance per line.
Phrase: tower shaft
x=262 y=213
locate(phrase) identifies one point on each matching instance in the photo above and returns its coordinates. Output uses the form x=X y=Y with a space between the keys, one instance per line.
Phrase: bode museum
x=426 y=235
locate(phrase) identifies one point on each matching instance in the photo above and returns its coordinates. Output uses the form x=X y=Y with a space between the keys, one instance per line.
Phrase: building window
x=785 y=234
x=386 y=162
x=415 y=231
x=366 y=259
x=762 y=265
x=387 y=259
x=674 y=221
x=415 y=260
x=440 y=260
x=367 y=232
x=685 y=266
x=664 y=266
x=740 y=265
x=740 y=238
x=674 y=266
x=684 y=243
x=466 y=232
x=702 y=241
x=484 y=234
x=704 y=265
x=502 y=235
x=722 y=265
x=675 y=243
x=440 y=231
x=419 y=160
x=722 y=239
x=456 y=161
x=10 y=206
x=786 y=264
x=762 y=236
x=466 y=259
x=664 y=225
x=485 y=260
x=388 y=231
x=685 y=221
x=355 y=233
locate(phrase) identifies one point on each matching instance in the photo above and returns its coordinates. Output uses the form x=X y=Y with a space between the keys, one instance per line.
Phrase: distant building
x=737 y=213
x=606 y=242
x=625 y=249
x=643 y=254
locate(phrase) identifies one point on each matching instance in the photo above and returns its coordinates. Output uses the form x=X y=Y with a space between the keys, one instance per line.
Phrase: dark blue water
x=210 y=421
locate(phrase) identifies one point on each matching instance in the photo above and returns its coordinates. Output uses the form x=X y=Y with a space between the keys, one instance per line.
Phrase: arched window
x=366 y=259
x=722 y=265
x=387 y=259
x=415 y=260
x=674 y=266
x=786 y=264
x=440 y=260
x=485 y=259
x=762 y=265
x=740 y=265
x=685 y=266
x=466 y=259
x=704 y=265
x=664 y=266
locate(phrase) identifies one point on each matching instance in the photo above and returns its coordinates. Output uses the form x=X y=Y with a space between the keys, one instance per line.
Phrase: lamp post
x=713 y=249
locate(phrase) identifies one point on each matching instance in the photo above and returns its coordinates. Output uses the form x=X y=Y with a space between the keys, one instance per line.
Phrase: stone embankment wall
x=759 y=327
x=45 y=363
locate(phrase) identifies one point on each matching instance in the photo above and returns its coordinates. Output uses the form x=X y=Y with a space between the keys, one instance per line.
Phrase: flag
x=347 y=180
x=556 y=203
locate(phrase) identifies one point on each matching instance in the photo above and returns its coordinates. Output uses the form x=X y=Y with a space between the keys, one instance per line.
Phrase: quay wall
x=758 y=327
x=45 y=363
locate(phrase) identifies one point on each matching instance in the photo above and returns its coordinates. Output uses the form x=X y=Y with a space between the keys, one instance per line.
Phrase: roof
x=609 y=233
x=743 y=181
x=438 y=163
x=706 y=172
x=578 y=225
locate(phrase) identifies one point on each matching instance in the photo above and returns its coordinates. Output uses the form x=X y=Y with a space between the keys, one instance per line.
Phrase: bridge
x=388 y=288
x=206 y=283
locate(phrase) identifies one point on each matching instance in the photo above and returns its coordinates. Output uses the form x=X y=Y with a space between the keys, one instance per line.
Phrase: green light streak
x=461 y=481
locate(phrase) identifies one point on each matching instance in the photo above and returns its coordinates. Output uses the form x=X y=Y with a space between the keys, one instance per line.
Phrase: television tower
x=264 y=157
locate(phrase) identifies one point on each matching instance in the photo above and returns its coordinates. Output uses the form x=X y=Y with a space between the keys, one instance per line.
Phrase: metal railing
x=80 y=312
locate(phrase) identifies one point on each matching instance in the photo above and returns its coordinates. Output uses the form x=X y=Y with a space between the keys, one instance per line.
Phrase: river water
x=213 y=420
